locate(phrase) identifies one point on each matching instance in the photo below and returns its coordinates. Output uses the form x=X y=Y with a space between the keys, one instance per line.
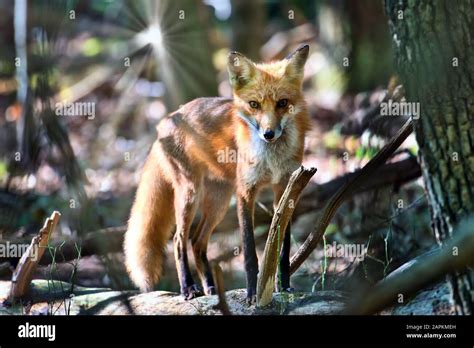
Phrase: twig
x=346 y=191
x=455 y=255
x=27 y=265
x=220 y=289
x=266 y=278
x=265 y=209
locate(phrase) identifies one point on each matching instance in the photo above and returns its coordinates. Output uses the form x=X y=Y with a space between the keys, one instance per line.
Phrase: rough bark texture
x=435 y=58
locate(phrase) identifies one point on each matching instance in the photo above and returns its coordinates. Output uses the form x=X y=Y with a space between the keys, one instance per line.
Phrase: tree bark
x=434 y=55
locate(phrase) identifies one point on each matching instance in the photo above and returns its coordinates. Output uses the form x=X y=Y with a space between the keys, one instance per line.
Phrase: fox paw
x=191 y=292
x=289 y=289
x=251 y=298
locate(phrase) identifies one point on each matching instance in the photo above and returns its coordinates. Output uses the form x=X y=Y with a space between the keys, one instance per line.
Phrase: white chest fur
x=270 y=162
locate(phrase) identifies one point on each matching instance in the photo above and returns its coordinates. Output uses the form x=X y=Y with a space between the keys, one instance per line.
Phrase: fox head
x=268 y=96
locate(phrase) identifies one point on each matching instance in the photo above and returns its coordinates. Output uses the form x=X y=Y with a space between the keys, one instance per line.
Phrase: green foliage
x=3 y=170
x=92 y=47
x=366 y=152
x=331 y=229
x=333 y=139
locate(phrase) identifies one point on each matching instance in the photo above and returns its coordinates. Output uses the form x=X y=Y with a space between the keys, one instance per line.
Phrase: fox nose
x=269 y=134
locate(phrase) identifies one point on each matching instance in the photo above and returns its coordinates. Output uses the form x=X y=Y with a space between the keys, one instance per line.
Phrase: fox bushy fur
x=189 y=168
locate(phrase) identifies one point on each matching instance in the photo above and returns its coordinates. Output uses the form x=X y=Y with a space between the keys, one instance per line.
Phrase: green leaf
x=3 y=170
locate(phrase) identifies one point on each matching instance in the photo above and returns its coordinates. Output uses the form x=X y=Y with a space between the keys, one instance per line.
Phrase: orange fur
x=185 y=172
x=150 y=226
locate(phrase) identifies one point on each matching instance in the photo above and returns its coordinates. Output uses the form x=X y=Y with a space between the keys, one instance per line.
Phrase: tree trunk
x=20 y=22
x=435 y=59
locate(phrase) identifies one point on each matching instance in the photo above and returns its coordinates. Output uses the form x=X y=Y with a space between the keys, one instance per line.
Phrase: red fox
x=206 y=151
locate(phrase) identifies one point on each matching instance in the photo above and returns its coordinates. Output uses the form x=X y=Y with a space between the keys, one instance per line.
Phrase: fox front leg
x=283 y=279
x=283 y=283
x=245 y=210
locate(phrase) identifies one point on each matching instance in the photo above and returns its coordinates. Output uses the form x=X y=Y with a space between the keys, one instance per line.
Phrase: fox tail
x=149 y=227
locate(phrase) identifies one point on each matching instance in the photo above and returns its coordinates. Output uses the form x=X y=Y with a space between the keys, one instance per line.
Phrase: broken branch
x=266 y=279
x=29 y=260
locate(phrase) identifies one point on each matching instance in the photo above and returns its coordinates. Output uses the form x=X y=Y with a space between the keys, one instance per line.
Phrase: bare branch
x=29 y=260
x=346 y=191
x=266 y=278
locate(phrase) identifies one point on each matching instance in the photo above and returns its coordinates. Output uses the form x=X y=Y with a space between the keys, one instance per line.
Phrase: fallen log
x=96 y=301
x=455 y=255
x=313 y=198
x=47 y=295
x=94 y=243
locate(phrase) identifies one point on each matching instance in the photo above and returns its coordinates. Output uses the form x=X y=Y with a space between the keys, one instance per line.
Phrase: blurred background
x=133 y=62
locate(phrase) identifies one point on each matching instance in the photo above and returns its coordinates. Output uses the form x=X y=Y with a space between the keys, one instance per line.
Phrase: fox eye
x=282 y=103
x=254 y=105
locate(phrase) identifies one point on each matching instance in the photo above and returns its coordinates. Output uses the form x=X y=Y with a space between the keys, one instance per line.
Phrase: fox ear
x=296 y=61
x=241 y=69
